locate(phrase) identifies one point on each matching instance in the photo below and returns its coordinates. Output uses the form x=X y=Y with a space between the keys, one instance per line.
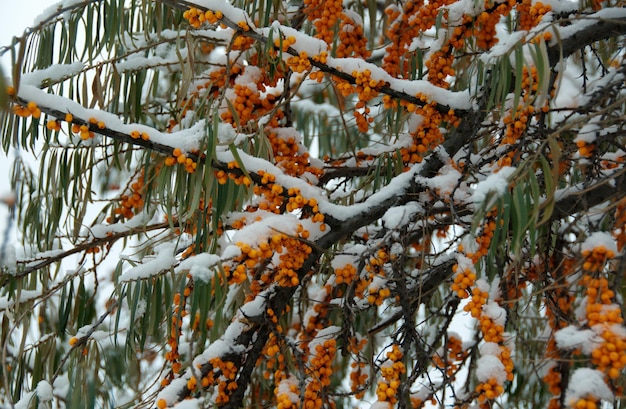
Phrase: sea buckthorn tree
x=315 y=204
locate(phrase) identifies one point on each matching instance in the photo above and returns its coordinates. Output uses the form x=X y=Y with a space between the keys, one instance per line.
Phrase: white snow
x=163 y=260
x=495 y=183
x=24 y=402
x=256 y=307
x=52 y=74
x=582 y=22
x=199 y=266
x=503 y=47
x=44 y=391
x=7 y=301
x=186 y=139
x=495 y=312
x=599 y=239
x=229 y=11
x=571 y=337
x=587 y=381
x=52 y=11
x=399 y=216
x=445 y=182
x=490 y=366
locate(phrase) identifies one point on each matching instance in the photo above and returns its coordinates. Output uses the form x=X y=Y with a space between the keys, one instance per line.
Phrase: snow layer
x=496 y=183
x=163 y=260
x=586 y=381
x=599 y=239
x=571 y=337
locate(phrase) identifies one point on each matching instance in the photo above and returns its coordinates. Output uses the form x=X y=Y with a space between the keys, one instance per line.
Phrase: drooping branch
x=34 y=265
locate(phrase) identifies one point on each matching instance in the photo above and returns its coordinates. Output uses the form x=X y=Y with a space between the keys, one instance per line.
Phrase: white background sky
x=15 y=16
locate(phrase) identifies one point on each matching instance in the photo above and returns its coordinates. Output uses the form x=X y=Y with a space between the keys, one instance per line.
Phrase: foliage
x=316 y=204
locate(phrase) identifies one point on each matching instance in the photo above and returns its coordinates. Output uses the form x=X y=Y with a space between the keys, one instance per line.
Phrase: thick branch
x=584 y=199
x=602 y=29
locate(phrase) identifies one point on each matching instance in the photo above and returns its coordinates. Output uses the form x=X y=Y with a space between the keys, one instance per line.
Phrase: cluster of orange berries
x=489 y=390
x=284 y=400
x=450 y=359
x=352 y=41
x=299 y=63
x=517 y=124
x=619 y=231
x=250 y=257
x=271 y=192
x=530 y=81
x=378 y=295
x=485 y=236
x=283 y=43
x=366 y=87
x=321 y=362
x=553 y=379
x=585 y=149
x=602 y=315
x=93 y=250
x=197 y=17
x=555 y=312
x=320 y=371
x=239 y=179
x=475 y=304
x=131 y=203
x=587 y=402
x=358 y=377
x=291 y=260
x=407 y=25
x=136 y=134
x=374 y=267
x=245 y=102
x=273 y=358
x=173 y=355
x=227 y=382
x=492 y=332
x=531 y=14
x=244 y=94
x=83 y=131
x=440 y=67
x=596 y=258
x=293 y=253
x=31 y=109
x=464 y=278
x=242 y=42
x=286 y=150
x=324 y=16
x=179 y=157
x=427 y=135
x=485 y=26
x=297 y=201
x=317 y=75
x=316 y=319
x=53 y=125
x=392 y=371
x=345 y=274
